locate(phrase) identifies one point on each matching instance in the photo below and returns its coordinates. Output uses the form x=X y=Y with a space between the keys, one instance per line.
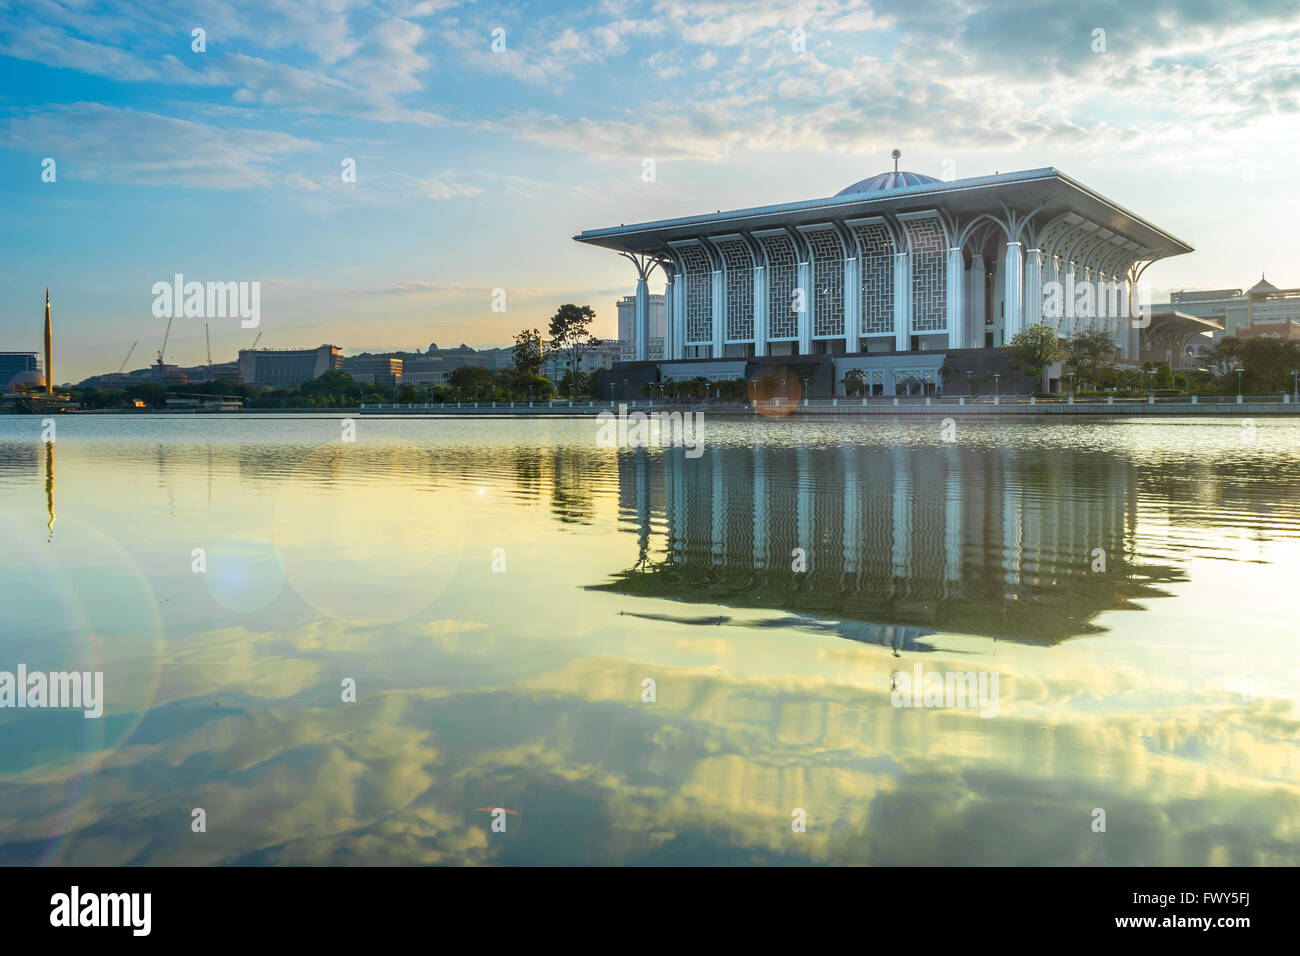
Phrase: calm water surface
x=500 y=592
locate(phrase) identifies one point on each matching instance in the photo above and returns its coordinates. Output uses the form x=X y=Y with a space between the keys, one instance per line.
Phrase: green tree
x=472 y=381
x=1034 y=348
x=570 y=330
x=1268 y=362
x=1089 y=355
x=1224 y=356
x=527 y=354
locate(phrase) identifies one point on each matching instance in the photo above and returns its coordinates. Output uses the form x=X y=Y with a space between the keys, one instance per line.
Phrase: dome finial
x=897 y=154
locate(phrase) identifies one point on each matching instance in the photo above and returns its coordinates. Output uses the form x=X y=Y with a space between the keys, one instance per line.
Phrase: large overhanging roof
x=1048 y=190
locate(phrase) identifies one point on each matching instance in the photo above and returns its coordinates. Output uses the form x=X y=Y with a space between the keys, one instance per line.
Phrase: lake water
x=648 y=658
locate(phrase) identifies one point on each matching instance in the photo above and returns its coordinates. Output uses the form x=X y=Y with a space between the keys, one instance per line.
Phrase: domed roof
x=893 y=179
x=26 y=381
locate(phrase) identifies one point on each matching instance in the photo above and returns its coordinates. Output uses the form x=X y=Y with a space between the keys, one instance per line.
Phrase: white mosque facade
x=892 y=274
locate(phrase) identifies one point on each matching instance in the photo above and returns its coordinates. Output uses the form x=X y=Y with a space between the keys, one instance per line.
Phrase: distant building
x=18 y=363
x=168 y=375
x=462 y=355
x=556 y=363
x=1228 y=307
x=220 y=372
x=425 y=371
x=1262 y=310
x=287 y=368
x=378 y=370
x=1282 y=329
x=627 y=326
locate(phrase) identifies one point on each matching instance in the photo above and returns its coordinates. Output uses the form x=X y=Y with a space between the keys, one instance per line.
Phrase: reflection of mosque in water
x=898 y=541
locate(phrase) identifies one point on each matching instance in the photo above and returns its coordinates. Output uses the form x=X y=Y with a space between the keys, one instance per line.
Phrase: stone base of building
x=926 y=372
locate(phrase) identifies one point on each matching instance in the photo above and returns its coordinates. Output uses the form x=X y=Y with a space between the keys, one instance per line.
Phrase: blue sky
x=475 y=167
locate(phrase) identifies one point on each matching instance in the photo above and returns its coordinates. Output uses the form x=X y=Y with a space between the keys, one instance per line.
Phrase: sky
x=475 y=166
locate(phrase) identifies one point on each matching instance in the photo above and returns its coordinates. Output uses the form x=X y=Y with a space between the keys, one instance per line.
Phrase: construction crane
x=129 y=353
x=255 y=341
x=166 y=335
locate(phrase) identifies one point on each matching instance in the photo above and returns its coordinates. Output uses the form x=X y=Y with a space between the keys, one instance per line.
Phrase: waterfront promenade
x=851 y=407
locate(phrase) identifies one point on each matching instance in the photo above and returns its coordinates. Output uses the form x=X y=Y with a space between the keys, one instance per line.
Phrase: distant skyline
x=475 y=168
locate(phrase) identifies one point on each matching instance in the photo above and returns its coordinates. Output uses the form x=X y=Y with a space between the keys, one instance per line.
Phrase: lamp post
x=1239 y=371
x=1295 y=385
x=997 y=381
x=1071 y=377
x=625 y=390
x=969 y=373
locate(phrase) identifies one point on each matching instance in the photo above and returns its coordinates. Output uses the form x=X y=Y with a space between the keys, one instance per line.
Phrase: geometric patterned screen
x=929 y=262
x=739 y=279
x=698 y=275
x=877 y=274
x=783 y=277
x=828 y=283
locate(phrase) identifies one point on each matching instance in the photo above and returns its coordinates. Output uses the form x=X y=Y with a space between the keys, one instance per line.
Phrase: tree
x=527 y=354
x=471 y=380
x=1224 y=356
x=570 y=329
x=1268 y=361
x=1089 y=355
x=1033 y=349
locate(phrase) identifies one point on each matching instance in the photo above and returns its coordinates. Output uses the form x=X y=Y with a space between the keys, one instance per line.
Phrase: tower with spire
x=49 y=347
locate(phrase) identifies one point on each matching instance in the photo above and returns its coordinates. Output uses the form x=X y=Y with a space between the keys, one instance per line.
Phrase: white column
x=902 y=302
x=1033 y=287
x=852 y=526
x=956 y=299
x=760 y=310
x=641 y=325
x=719 y=316
x=1069 y=324
x=718 y=516
x=804 y=318
x=762 y=508
x=804 y=515
x=669 y=308
x=852 y=303
x=1131 y=341
x=679 y=318
x=900 y=531
x=976 y=288
x=1013 y=321
x=952 y=506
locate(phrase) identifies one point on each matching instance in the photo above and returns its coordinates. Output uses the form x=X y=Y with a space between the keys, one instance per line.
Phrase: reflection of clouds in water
x=361 y=534
x=250 y=728
x=78 y=603
x=74 y=603
x=757 y=711
x=243 y=573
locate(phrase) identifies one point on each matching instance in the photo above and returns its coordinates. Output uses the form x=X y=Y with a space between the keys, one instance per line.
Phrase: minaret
x=49 y=368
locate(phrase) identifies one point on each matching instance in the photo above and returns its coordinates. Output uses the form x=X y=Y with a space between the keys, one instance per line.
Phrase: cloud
x=92 y=141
